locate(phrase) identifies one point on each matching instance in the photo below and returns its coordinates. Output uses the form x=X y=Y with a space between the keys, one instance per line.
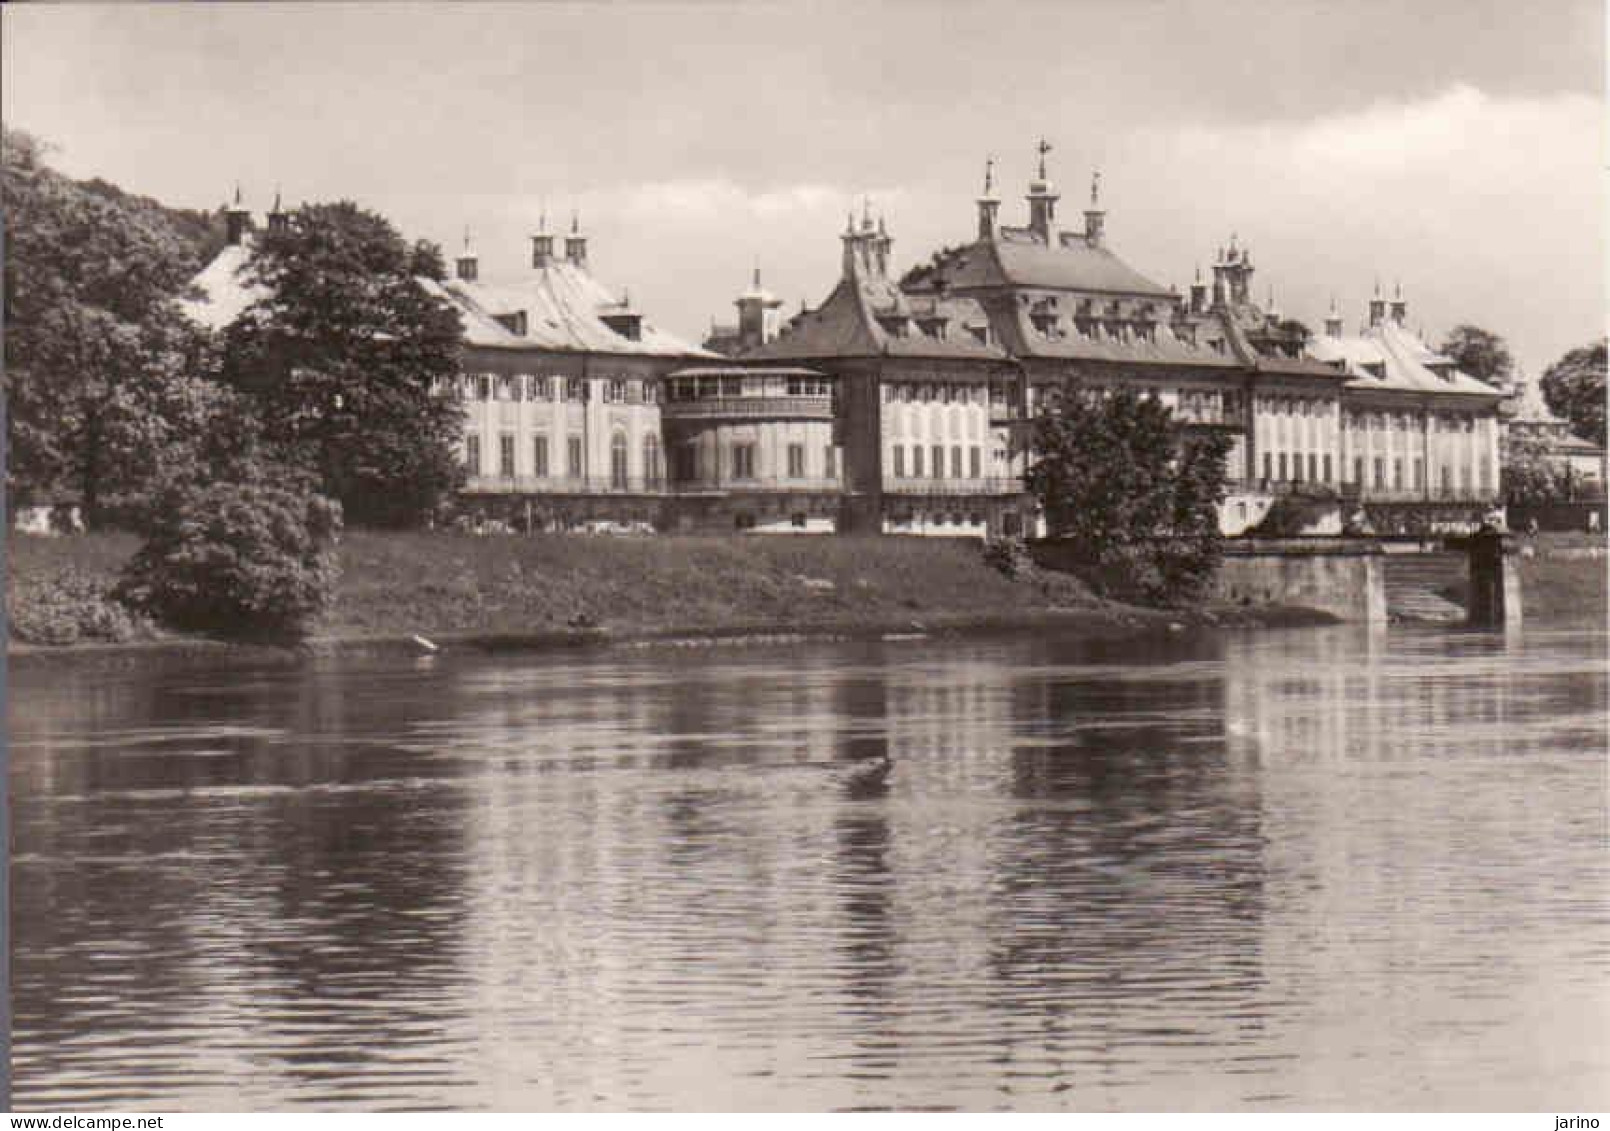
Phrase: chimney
x=576 y=243
x=542 y=244
x=1042 y=200
x=1400 y=308
x=278 y=221
x=881 y=244
x=989 y=205
x=468 y=266
x=1377 y=307
x=1199 y=294
x=1095 y=215
x=1333 y=321
x=237 y=222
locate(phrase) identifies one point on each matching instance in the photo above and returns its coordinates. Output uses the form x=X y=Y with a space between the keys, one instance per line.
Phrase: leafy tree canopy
x=102 y=371
x=249 y=556
x=1573 y=388
x=352 y=361
x=1480 y=353
x=1137 y=490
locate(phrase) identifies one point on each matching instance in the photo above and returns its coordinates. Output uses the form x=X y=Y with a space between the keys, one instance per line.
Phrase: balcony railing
x=749 y=408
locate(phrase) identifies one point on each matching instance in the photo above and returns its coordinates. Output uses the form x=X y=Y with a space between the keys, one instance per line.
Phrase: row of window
x=1293 y=406
x=741 y=461
x=575 y=461
x=1277 y=468
x=534 y=387
x=926 y=392
x=1406 y=422
x=704 y=388
x=936 y=465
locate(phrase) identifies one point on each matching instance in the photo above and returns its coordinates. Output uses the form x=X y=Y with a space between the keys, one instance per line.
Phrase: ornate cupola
x=864 y=245
x=237 y=221
x=278 y=220
x=1400 y=308
x=989 y=205
x=542 y=243
x=468 y=266
x=1095 y=215
x=1232 y=276
x=576 y=243
x=1042 y=200
x=757 y=315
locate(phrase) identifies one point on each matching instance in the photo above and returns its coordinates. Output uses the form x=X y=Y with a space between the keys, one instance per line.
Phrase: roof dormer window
x=628 y=325
x=514 y=322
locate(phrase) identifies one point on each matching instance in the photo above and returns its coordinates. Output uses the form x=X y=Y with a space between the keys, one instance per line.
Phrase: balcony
x=749 y=408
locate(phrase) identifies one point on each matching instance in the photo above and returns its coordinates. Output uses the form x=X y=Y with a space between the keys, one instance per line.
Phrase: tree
x=103 y=372
x=1573 y=388
x=251 y=556
x=1137 y=490
x=1480 y=353
x=352 y=362
x=1530 y=476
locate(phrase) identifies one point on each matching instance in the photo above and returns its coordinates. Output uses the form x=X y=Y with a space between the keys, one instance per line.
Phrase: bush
x=242 y=559
x=69 y=606
x=1008 y=556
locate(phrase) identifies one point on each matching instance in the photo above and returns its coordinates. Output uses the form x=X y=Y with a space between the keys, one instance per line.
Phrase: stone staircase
x=1414 y=583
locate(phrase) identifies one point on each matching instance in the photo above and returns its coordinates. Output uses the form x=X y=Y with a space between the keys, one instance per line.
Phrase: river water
x=1318 y=868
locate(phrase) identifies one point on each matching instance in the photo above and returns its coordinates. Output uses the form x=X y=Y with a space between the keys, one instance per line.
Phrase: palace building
x=1375 y=420
x=900 y=405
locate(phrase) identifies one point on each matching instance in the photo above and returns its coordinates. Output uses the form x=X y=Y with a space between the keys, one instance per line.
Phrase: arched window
x=617 y=462
x=651 y=460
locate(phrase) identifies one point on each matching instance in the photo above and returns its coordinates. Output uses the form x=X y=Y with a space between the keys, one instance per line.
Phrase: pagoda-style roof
x=1018 y=257
x=871 y=317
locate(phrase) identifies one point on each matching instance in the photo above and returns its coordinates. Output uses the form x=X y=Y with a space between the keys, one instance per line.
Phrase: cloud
x=1488 y=208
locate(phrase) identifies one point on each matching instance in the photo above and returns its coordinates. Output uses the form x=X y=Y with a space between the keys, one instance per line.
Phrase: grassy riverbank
x=562 y=588
x=536 y=588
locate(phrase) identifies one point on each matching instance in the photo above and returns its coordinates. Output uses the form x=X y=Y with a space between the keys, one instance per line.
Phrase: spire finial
x=237 y=194
x=1333 y=302
x=1043 y=148
x=1377 y=286
x=1397 y=289
x=466 y=237
x=1095 y=188
x=866 y=212
x=575 y=221
x=1198 y=278
x=276 y=198
x=989 y=173
x=757 y=272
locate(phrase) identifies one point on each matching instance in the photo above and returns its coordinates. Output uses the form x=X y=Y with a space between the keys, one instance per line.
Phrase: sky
x=1453 y=146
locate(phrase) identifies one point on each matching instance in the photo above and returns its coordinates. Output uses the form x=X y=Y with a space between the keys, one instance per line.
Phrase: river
x=1298 y=869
